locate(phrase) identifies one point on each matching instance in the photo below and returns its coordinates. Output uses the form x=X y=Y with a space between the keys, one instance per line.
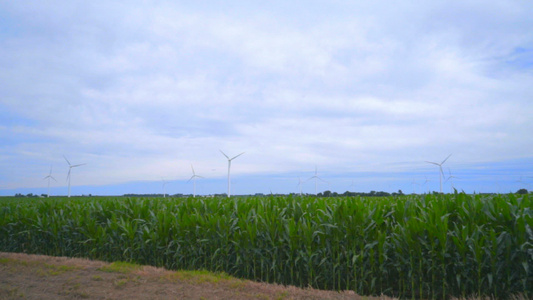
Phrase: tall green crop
x=432 y=246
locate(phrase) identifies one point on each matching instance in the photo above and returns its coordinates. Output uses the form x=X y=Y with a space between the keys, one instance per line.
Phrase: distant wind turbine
x=49 y=177
x=164 y=184
x=450 y=177
x=193 y=178
x=441 y=174
x=229 y=167
x=352 y=185
x=70 y=166
x=425 y=182
x=316 y=179
x=413 y=183
x=300 y=184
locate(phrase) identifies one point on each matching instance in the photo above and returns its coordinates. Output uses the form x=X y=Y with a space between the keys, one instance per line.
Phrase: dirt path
x=25 y=276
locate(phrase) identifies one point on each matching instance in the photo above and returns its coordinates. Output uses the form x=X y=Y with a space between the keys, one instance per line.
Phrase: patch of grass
x=120 y=283
x=42 y=268
x=204 y=276
x=97 y=278
x=120 y=267
x=282 y=295
x=237 y=284
x=4 y=260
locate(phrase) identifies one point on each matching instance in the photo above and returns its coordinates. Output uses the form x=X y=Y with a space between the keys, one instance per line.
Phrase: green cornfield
x=420 y=246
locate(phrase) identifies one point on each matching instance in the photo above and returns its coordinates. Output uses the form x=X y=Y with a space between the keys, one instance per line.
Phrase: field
x=428 y=246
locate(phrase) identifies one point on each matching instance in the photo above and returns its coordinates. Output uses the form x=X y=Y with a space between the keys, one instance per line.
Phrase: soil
x=24 y=276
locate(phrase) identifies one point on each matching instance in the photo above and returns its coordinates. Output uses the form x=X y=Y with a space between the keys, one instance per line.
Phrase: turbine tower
x=352 y=185
x=164 y=184
x=413 y=183
x=193 y=178
x=450 y=177
x=441 y=174
x=49 y=177
x=425 y=182
x=229 y=167
x=70 y=166
x=300 y=184
x=316 y=179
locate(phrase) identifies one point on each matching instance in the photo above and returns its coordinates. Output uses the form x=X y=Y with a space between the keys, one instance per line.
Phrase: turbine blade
x=77 y=165
x=53 y=178
x=321 y=179
x=237 y=156
x=192 y=168
x=223 y=154
x=309 y=179
x=445 y=159
x=430 y=162
x=190 y=178
x=68 y=162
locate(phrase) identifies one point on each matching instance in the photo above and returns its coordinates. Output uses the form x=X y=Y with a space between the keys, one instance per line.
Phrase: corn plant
x=430 y=246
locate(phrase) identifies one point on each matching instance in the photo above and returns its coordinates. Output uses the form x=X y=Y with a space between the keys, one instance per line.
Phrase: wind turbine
x=164 y=184
x=300 y=184
x=425 y=182
x=49 y=177
x=413 y=183
x=352 y=185
x=193 y=178
x=450 y=176
x=316 y=179
x=441 y=175
x=70 y=166
x=229 y=167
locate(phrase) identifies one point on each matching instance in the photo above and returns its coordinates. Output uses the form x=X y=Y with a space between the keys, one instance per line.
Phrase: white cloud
x=354 y=86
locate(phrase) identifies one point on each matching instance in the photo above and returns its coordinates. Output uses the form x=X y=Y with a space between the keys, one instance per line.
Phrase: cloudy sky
x=365 y=91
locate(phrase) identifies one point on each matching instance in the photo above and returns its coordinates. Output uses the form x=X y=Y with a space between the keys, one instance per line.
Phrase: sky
x=362 y=92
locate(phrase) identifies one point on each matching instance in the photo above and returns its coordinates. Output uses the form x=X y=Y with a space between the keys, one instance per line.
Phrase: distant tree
x=327 y=193
x=522 y=191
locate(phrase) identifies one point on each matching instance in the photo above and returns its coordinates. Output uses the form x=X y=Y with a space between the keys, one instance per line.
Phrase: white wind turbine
x=49 y=177
x=413 y=183
x=193 y=178
x=425 y=182
x=352 y=185
x=164 y=184
x=300 y=184
x=441 y=174
x=316 y=179
x=70 y=166
x=450 y=177
x=229 y=167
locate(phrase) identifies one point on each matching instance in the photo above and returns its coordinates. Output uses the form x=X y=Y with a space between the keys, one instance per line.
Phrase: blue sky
x=366 y=91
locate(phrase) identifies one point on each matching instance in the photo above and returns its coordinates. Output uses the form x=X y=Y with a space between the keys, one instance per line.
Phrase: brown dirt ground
x=24 y=276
